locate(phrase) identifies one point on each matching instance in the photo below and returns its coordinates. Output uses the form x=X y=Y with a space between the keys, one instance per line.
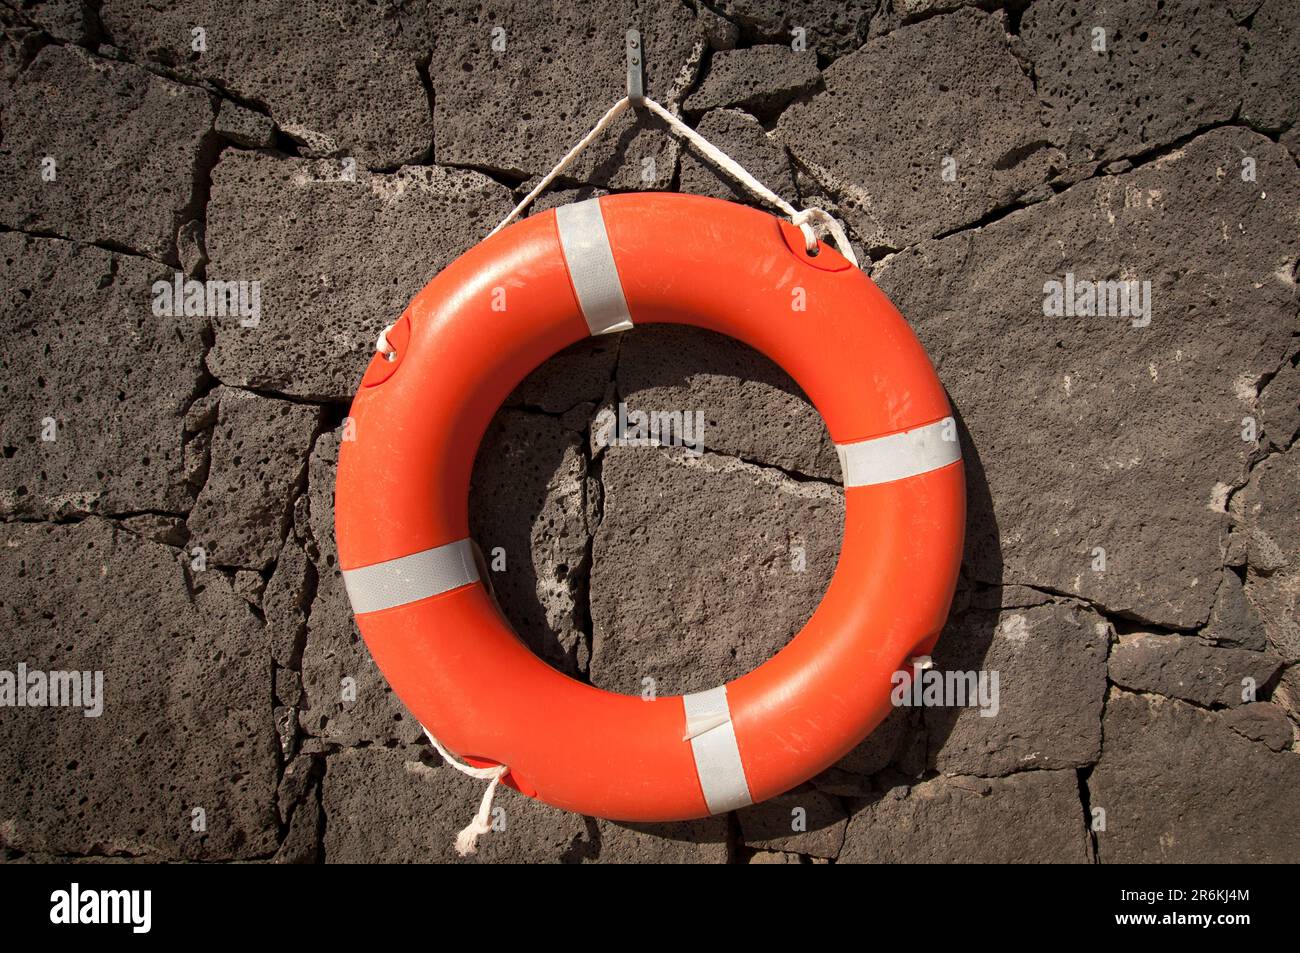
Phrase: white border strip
x=717 y=755
x=899 y=455
x=591 y=266
x=411 y=578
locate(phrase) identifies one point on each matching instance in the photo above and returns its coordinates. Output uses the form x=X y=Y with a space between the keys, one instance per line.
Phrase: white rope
x=803 y=219
x=467 y=839
x=614 y=112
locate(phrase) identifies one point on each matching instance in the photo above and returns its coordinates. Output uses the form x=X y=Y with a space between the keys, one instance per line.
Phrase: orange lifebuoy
x=600 y=267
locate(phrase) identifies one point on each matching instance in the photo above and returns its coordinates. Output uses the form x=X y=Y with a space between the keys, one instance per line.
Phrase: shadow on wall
x=966 y=638
x=537 y=494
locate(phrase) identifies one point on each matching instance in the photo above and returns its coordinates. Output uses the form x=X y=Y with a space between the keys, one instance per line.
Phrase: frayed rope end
x=467 y=839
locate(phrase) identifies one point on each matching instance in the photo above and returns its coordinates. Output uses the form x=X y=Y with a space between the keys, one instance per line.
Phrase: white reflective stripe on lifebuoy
x=396 y=582
x=591 y=267
x=717 y=756
x=899 y=455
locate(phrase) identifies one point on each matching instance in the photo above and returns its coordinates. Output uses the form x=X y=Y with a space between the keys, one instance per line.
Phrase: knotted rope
x=803 y=219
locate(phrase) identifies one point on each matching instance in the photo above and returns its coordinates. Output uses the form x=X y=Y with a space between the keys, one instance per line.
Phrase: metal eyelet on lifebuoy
x=601 y=267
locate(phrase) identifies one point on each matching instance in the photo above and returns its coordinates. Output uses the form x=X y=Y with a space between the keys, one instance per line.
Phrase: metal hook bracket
x=635 y=71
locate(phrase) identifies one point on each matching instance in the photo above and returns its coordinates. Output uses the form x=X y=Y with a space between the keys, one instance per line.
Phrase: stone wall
x=166 y=479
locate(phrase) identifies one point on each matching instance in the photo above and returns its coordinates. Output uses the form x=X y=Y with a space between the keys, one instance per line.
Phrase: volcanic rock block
x=827 y=27
x=1267 y=510
x=923 y=130
x=851 y=775
x=301 y=842
x=740 y=136
x=759 y=80
x=94 y=385
x=347 y=699
x=186 y=696
x=1271 y=69
x=1030 y=817
x=1109 y=449
x=720 y=32
x=773 y=857
x=515 y=88
x=1242 y=9
x=344 y=79
x=803 y=821
x=1180 y=784
x=1185 y=667
x=403 y=805
x=15 y=44
x=168 y=530
x=1291 y=140
x=740 y=557
x=554 y=198
x=1233 y=620
x=752 y=409
x=259 y=449
x=896 y=13
x=244 y=126
x=1166 y=70
x=1264 y=722
x=1051 y=670
x=580 y=374
x=297 y=783
x=528 y=507
x=1005 y=597
x=687 y=842
x=288 y=686
x=120 y=142
x=66 y=20
x=286 y=602
x=362 y=246
x=1286 y=693
x=190 y=253
x=1279 y=404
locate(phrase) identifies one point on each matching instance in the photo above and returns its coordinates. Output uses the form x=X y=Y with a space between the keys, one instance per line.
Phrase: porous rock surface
x=185 y=723
x=95 y=385
x=730 y=609
x=100 y=151
x=1029 y=817
x=1131 y=76
x=258 y=446
x=375 y=240
x=1178 y=782
x=743 y=138
x=1051 y=666
x=897 y=114
x=1131 y=573
x=344 y=79
x=513 y=87
x=759 y=80
x=1143 y=421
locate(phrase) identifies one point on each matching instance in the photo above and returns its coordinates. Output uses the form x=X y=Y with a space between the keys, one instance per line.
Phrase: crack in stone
x=795 y=476
x=594 y=515
x=112 y=247
x=1117 y=617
